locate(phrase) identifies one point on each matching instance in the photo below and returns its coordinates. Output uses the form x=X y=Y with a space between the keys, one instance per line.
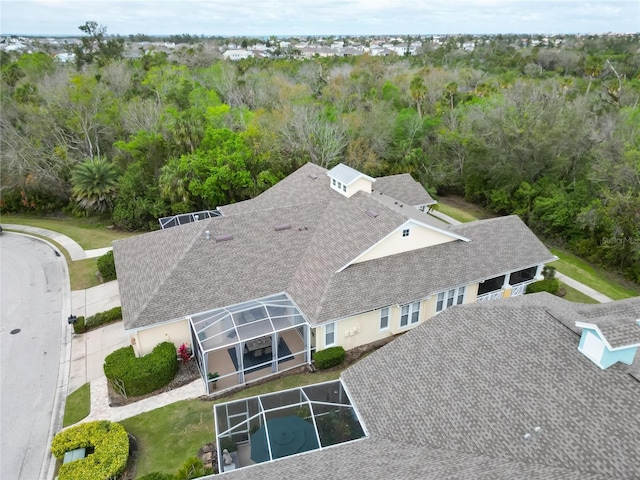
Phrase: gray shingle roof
x=403 y=187
x=172 y=273
x=497 y=246
x=454 y=397
x=298 y=188
x=620 y=332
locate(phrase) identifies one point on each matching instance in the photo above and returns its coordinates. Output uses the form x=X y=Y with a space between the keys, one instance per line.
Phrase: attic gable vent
x=372 y=213
x=283 y=226
x=223 y=238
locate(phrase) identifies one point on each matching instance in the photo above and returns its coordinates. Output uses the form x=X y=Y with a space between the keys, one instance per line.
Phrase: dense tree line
x=551 y=134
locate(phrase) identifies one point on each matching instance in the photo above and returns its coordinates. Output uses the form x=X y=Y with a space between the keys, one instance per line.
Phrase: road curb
x=49 y=462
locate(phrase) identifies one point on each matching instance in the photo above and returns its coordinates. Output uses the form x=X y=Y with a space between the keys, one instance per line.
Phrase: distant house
x=237 y=54
x=486 y=391
x=321 y=259
x=65 y=57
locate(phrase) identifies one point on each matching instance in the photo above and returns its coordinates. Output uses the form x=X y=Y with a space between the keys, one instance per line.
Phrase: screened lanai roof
x=245 y=321
x=289 y=422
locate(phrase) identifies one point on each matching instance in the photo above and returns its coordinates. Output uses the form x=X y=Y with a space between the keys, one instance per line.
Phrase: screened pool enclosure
x=241 y=343
x=276 y=425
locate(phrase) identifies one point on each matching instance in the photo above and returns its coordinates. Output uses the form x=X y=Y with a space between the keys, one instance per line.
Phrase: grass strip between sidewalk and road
x=82 y=273
x=89 y=233
x=169 y=435
x=78 y=405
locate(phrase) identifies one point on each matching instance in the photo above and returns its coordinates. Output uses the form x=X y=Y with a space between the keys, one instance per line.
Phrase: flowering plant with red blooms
x=184 y=352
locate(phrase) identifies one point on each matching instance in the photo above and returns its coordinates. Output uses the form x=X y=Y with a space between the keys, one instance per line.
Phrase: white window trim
x=388 y=309
x=447 y=294
x=410 y=314
x=332 y=324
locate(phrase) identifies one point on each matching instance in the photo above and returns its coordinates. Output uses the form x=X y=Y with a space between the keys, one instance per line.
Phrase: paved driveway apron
x=30 y=340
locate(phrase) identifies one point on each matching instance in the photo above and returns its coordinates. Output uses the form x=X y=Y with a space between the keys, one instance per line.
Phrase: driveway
x=31 y=329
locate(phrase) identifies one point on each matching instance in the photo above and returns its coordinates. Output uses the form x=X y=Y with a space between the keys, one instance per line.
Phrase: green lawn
x=455 y=212
x=461 y=210
x=604 y=282
x=78 y=406
x=574 y=295
x=169 y=435
x=90 y=233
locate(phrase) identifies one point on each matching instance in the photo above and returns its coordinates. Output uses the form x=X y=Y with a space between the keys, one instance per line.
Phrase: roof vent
x=283 y=226
x=207 y=235
x=313 y=176
x=372 y=213
x=223 y=238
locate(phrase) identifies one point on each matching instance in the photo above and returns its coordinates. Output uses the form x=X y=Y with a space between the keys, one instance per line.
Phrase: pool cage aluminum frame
x=232 y=327
x=320 y=399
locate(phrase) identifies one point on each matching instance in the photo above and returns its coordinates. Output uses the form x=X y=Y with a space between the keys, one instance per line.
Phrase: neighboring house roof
x=454 y=398
x=172 y=273
x=404 y=188
x=618 y=332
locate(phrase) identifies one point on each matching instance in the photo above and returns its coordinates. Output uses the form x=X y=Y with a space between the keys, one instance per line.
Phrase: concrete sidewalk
x=95 y=299
x=76 y=252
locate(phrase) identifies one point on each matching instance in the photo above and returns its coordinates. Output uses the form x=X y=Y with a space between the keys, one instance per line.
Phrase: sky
x=262 y=18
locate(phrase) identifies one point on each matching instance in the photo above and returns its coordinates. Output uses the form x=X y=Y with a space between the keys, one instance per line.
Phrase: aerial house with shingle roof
x=322 y=258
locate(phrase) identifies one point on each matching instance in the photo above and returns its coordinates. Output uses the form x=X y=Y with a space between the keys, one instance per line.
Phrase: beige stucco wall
x=419 y=237
x=362 y=329
x=176 y=332
x=360 y=184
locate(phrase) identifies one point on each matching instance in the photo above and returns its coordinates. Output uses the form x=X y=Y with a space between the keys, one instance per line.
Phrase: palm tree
x=418 y=91
x=94 y=184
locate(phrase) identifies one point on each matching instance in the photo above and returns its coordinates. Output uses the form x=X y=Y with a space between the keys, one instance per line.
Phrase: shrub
x=157 y=476
x=192 y=468
x=329 y=357
x=107 y=266
x=110 y=445
x=132 y=376
x=551 y=285
x=103 y=318
x=79 y=327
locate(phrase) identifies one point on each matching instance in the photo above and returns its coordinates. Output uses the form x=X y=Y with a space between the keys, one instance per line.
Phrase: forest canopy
x=548 y=133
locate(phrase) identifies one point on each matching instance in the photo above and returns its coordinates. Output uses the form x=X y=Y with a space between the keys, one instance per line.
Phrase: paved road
x=31 y=300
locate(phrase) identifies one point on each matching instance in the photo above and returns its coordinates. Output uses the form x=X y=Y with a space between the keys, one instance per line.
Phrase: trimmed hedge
x=110 y=445
x=102 y=318
x=329 y=357
x=79 y=327
x=551 y=285
x=83 y=325
x=135 y=376
x=107 y=266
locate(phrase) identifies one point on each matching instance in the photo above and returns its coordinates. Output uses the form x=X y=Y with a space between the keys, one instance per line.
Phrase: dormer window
x=348 y=181
x=405 y=232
